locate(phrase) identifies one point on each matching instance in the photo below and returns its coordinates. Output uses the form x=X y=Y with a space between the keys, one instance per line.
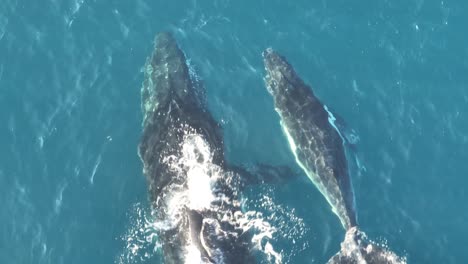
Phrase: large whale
x=194 y=196
x=319 y=149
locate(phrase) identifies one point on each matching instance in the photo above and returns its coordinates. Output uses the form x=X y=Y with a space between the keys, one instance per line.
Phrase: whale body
x=315 y=142
x=193 y=195
x=319 y=149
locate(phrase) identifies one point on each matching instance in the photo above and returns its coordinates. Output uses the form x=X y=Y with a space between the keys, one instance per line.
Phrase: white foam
x=289 y=228
x=193 y=255
x=139 y=237
x=58 y=200
x=95 y=168
x=263 y=233
x=198 y=177
x=200 y=194
x=272 y=254
x=197 y=158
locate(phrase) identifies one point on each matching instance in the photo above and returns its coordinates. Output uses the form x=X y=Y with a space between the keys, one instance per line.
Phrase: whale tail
x=357 y=249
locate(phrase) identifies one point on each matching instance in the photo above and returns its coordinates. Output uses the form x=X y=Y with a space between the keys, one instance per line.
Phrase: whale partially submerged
x=193 y=195
x=316 y=144
x=319 y=149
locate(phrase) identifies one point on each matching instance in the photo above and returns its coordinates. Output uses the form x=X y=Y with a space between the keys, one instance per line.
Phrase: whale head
x=280 y=77
x=167 y=78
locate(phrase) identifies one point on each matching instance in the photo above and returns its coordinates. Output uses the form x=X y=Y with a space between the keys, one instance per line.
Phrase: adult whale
x=194 y=196
x=318 y=147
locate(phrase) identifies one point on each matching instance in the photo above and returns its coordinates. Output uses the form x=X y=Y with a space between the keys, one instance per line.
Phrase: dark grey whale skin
x=172 y=104
x=319 y=149
x=319 y=146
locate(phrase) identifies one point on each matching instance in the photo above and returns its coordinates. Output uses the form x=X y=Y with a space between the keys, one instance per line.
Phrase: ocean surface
x=71 y=183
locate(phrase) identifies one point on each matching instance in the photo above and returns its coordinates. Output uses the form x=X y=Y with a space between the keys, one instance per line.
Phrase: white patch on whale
x=331 y=120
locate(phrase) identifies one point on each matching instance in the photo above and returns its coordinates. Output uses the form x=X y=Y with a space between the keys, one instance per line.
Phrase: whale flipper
x=348 y=134
x=261 y=173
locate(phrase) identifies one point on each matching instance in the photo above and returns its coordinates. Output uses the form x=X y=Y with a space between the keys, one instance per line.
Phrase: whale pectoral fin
x=349 y=135
x=265 y=174
x=350 y=139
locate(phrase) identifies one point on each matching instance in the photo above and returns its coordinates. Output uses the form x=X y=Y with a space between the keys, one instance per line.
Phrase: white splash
x=140 y=237
x=193 y=255
x=283 y=225
x=196 y=156
x=254 y=221
x=199 y=176
x=200 y=195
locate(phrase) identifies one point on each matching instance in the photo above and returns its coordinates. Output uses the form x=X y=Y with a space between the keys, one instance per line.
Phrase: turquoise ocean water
x=71 y=186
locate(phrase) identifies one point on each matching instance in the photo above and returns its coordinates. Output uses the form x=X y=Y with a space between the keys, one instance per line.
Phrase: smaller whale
x=315 y=142
x=319 y=148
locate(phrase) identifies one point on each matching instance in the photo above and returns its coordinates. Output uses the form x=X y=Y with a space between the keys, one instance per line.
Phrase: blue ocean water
x=70 y=78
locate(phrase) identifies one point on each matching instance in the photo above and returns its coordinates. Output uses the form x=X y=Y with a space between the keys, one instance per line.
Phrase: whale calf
x=193 y=195
x=318 y=147
x=316 y=144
